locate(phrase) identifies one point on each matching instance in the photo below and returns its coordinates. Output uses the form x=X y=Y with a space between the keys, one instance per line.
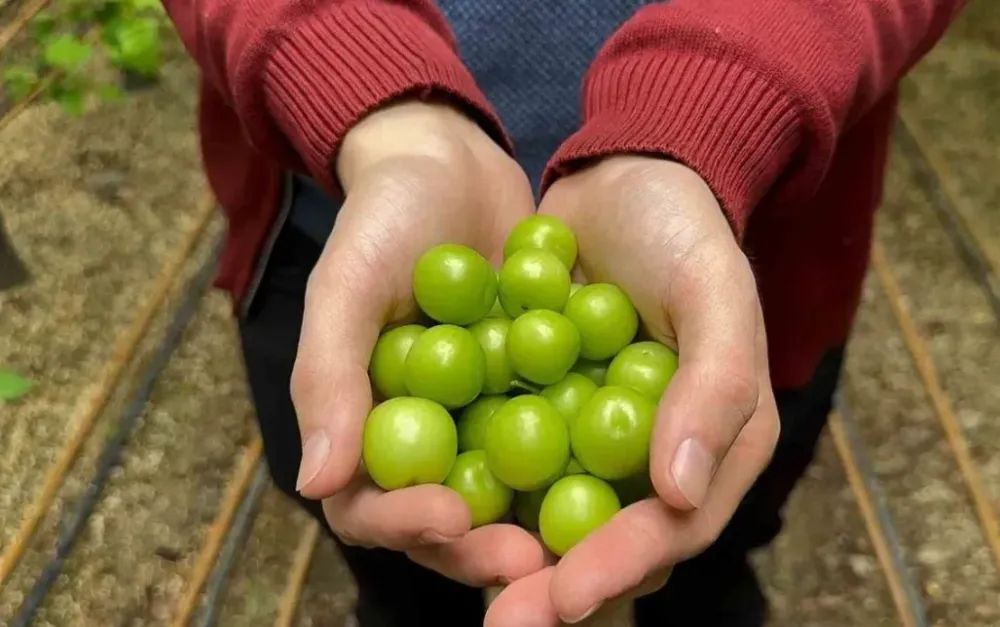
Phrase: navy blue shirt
x=529 y=57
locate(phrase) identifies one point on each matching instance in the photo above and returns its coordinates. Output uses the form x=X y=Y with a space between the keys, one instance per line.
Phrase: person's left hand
x=654 y=228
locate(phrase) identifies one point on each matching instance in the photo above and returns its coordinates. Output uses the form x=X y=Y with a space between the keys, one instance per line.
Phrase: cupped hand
x=654 y=228
x=414 y=175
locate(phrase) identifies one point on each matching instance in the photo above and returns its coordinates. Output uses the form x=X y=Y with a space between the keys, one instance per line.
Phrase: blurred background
x=132 y=487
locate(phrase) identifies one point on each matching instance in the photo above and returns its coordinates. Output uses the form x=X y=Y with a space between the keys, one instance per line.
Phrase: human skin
x=669 y=246
x=414 y=175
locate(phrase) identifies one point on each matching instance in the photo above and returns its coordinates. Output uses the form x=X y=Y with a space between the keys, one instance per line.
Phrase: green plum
x=643 y=366
x=611 y=434
x=527 y=506
x=573 y=508
x=488 y=499
x=596 y=371
x=633 y=489
x=491 y=333
x=533 y=279
x=474 y=419
x=574 y=288
x=520 y=386
x=497 y=310
x=542 y=346
x=569 y=394
x=527 y=443
x=605 y=317
x=409 y=441
x=389 y=357
x=543 y=232
x=454 y=284
x=574 y=467
x=445 y=364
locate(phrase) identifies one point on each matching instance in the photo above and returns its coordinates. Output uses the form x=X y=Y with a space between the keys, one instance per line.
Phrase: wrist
x=669 y=189
x=633 y=171
x=652 y=99
x=410 y=128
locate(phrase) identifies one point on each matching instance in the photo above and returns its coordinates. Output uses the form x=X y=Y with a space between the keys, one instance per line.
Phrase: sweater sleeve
x=300 y=73
x=753 y=95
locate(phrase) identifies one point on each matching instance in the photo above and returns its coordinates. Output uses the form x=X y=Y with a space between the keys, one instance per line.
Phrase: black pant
x=716 y=588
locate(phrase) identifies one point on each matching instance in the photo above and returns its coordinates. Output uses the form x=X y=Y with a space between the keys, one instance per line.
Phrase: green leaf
x=70 y=95
x=110 y=93
x=19 y=80
x=109 y=11
x=72 y=101
x=67 y=53
x=12 y=385
x=19 y=73
x=43 y=25
x=80 y=13
x=146 y=5
x=134 y=44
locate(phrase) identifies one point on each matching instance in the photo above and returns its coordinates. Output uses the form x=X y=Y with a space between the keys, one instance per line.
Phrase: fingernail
x=434 y=537
x=314 y=455
x=582 y=617
x=692 y=471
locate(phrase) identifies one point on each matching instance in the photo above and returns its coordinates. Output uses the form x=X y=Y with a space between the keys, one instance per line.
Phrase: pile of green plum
x=526 y=395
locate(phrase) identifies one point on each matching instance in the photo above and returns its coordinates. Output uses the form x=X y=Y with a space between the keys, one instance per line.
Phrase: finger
x=524 y=603
x=715 y=389
x=399 y=520
x=345 y=307
x=486 y=556
x=650 y=536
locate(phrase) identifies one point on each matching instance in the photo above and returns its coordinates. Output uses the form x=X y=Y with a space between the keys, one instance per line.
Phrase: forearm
x=300 y=74
x=748 y=93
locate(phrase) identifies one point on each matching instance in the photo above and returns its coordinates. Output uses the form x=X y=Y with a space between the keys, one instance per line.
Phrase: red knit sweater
x=783 y=106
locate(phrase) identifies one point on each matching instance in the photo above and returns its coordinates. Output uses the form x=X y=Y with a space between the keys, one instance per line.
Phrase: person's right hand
x=414 y=175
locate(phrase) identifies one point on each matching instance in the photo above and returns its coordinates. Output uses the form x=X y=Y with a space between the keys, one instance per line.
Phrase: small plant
x=12 y=385
x=71 y=32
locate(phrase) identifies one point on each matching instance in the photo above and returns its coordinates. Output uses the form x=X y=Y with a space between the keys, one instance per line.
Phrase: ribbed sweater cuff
x=348 y=59
x=726 y=122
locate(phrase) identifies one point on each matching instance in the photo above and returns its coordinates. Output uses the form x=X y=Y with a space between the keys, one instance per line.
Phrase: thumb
x=712 y=304
x=346 y=302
